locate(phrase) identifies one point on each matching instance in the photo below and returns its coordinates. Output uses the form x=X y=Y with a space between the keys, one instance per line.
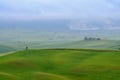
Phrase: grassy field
x=61 y=64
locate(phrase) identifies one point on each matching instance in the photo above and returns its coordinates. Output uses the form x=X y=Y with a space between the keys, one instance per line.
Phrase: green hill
x=82 y=44
x=102 y=44
x=61 y=64
x=4 y=49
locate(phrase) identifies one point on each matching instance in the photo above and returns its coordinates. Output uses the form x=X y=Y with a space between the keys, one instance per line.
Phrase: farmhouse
x=92 y=38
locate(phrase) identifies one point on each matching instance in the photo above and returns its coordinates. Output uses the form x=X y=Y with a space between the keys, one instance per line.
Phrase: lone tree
x=26 y=47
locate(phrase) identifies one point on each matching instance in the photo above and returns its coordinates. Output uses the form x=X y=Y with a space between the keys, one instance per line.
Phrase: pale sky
x=58 y=9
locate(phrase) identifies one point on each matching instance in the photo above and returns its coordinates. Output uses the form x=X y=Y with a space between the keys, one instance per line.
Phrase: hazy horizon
x=84 y=17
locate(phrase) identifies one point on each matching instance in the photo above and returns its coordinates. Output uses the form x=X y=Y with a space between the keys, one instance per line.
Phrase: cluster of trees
x=92 y=38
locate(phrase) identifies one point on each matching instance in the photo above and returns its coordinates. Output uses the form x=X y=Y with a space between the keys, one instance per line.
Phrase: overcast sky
x=57 y=9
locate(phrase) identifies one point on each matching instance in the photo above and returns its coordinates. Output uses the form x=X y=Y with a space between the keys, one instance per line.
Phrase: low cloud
x=105 y=24
x=114 y=28
x=83 y=27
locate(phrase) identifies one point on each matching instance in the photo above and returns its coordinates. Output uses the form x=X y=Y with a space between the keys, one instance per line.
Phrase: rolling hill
x=102 y=44
x=81 y=44
x=4 y=49
x=61 y=64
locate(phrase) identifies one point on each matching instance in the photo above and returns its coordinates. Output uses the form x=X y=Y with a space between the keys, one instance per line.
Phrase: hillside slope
x=104 y=44
x=4 y=49
x=61 y=64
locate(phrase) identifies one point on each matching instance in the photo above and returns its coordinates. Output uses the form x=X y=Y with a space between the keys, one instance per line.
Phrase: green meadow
x=61 y=64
